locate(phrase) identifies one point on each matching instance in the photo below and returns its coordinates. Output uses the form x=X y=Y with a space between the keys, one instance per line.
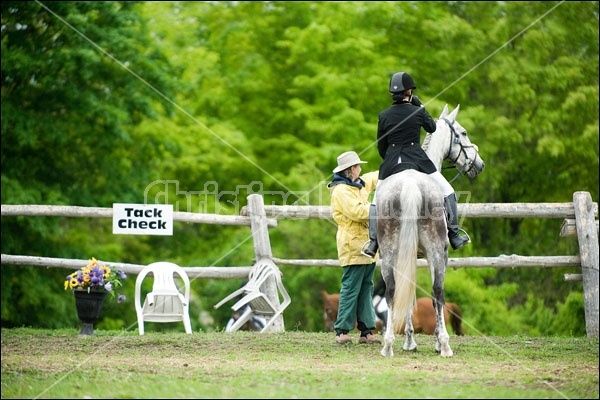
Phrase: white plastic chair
x=165 y=303
x=257 y=302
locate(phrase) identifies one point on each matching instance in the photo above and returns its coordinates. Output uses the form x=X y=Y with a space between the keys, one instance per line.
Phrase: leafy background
x=102 y=100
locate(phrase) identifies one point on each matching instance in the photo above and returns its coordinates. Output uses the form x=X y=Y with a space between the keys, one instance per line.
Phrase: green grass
x=121 y=364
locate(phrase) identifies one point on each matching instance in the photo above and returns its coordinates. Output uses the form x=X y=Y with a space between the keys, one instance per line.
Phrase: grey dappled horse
x=411 y=220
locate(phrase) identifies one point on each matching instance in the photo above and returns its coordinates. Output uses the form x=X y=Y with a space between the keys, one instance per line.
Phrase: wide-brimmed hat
x=346 y=160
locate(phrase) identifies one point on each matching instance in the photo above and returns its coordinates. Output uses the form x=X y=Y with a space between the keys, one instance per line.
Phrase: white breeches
x=437 y=176
x=447 y=189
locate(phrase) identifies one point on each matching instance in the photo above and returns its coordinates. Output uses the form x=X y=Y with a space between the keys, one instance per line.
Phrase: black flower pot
x=89 y=305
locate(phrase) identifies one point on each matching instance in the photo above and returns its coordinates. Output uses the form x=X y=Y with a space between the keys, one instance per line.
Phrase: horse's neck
x=436 y=146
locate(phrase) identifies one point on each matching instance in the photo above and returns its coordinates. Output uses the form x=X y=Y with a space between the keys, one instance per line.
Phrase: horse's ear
x=454 y=113
x=444 y=112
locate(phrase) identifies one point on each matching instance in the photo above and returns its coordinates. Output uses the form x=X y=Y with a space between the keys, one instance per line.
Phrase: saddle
x=403 y=166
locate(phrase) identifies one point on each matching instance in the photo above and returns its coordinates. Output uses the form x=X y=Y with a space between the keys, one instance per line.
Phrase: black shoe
x=371 y=249
x=457 y=240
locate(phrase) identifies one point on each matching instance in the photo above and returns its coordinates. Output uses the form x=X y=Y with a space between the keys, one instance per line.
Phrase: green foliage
x=305 y=313
x=484 y=307
x=567 y=321
x=199 y=104
x=33 y=299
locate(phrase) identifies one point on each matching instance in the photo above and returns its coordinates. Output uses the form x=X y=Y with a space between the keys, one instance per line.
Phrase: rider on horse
x=398 y=143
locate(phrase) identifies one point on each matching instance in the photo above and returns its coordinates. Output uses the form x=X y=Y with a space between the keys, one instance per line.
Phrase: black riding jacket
x=399 y=139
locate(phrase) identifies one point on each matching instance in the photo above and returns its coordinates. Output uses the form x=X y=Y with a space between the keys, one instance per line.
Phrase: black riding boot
x=457 y=240
x=371 y=250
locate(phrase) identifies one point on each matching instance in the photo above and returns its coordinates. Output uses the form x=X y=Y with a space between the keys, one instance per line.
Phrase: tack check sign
x=143 y=219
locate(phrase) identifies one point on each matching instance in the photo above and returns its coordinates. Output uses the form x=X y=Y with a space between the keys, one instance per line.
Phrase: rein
x=456 y=139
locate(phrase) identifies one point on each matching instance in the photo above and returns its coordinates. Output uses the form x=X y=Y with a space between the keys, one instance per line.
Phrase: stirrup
x=464 y=242
x=364 y=247
x=466 y=234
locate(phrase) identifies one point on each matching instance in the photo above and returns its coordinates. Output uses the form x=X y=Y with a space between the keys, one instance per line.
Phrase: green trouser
x=356 y=300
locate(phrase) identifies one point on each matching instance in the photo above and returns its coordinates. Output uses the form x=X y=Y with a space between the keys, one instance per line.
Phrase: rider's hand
x=416 y=101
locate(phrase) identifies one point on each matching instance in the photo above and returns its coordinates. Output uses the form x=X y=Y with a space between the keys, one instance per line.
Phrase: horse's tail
x=455 y=318
x=405 y=272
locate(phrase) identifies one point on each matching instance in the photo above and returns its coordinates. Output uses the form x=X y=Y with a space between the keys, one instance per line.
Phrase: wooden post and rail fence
x=580 y=219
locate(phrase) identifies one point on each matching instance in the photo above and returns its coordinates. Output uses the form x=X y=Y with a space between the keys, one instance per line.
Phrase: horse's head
x=459 y=149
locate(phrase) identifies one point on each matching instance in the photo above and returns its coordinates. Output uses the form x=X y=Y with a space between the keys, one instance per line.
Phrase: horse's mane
x=426 y=141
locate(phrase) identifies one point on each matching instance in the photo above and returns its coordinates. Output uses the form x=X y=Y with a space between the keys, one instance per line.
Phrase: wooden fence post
x=587 y=237
x=262 y=249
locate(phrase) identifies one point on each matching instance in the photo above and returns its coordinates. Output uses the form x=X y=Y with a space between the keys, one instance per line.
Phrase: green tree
x=68 y=109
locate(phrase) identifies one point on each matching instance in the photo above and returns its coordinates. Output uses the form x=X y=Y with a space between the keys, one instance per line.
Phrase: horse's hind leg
x=442 y=343
x=390 y=335
x=437 y=257
x=409 y=332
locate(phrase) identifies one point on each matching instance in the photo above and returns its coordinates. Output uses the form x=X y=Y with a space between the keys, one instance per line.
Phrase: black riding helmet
x=400 y=82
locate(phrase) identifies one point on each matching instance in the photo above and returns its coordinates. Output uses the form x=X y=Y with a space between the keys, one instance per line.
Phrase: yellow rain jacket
x=350 y=210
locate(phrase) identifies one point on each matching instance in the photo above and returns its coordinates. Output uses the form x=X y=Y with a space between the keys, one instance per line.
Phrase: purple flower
x=121 y=298
x=96 y=276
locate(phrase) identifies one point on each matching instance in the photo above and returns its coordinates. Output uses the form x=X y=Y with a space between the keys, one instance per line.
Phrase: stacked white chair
x=257 y=302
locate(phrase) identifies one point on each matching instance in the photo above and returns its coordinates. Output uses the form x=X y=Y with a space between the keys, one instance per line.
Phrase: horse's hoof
x=410 y=345
x=447 y=353
x=387 y=353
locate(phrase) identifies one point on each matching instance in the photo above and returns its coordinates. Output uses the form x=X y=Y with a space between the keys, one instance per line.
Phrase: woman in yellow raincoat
x=350 y=209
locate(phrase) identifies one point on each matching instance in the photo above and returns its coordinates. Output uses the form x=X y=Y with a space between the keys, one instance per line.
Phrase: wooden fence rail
x=130 y=269
x=580 y=218
x=104 y=212
x=468 y=210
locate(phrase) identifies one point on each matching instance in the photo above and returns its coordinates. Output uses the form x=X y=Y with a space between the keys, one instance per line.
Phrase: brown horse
x=331 y=303
x=423 y=315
